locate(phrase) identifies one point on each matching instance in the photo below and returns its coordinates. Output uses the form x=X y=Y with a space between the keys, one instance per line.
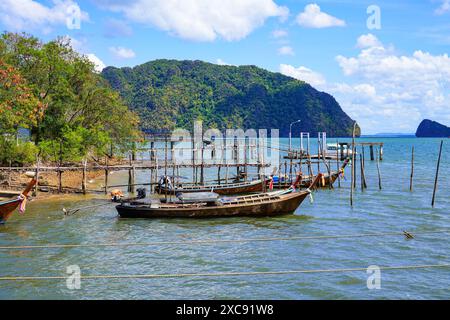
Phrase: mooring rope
x=408 y=235
x=218 y=274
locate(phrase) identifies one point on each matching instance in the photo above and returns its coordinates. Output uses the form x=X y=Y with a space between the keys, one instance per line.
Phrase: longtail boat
x=7 y=207
x=305 y=181
x=164 y=186
x=209 y=206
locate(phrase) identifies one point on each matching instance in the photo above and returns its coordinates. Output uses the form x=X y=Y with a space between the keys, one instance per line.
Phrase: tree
x=83 y=114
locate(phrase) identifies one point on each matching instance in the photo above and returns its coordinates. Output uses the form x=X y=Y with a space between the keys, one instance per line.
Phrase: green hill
x=170 y=93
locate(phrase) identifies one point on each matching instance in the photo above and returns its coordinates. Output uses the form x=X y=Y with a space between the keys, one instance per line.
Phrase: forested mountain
x=171 y=93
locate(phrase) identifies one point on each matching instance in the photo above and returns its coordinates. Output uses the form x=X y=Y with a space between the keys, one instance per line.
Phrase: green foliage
x=68 y=104
x=18 y=105
x=16 y=152
x=169 y=93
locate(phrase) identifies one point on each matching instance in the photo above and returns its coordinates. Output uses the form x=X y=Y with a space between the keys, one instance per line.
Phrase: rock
x=432 y=129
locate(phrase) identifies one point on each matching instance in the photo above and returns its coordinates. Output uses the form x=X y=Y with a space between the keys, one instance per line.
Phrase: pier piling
x=437 y=174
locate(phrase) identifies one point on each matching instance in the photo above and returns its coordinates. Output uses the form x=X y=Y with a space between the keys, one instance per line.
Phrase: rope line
x=211 y=241
x=218 y=274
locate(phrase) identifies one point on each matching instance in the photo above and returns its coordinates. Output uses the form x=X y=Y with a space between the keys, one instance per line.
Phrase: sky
x=385 y=62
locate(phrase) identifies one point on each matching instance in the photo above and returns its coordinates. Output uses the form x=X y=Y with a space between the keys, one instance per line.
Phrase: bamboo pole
x=378 y=169
x=279 y=176
x=106 y=176
x=36 y=186
x=337 y=164
x=83 y=182
x=353 y=164
x=165 y=170
x=412 y=170
x=362 y=171
x=437 y=174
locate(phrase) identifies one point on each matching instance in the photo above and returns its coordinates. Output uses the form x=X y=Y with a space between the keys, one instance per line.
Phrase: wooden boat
x=257 y=205
x=7 y=207
x=306 y=181
x=222 y=189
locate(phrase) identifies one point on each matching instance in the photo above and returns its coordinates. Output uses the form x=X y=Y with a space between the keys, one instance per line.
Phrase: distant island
x=390 y=135
x=171 y=93
x=432 y=129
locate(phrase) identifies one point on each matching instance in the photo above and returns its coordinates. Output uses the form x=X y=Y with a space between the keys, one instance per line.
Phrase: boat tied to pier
x=165 y=186
x=209 y=205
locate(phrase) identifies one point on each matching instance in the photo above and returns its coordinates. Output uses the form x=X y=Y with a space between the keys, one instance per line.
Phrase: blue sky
x=387 y=78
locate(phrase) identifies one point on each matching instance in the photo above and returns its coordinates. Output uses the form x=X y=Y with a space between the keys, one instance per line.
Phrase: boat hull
x=307 y=182
x=219 y=189
x=285 y=204
x=9 y=206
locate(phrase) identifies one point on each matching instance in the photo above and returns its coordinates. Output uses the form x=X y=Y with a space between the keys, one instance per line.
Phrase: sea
x=327 y=249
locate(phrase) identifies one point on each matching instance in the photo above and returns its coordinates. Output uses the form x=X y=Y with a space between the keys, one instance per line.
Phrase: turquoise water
x=393 y=209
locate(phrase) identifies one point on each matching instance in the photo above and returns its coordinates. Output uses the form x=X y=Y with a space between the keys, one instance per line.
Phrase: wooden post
x=337 y=164
x=285 y=174
x=36 y=186
x=172 y=157
x=279 y=176
x=156 y=169
x=372 y=158
x=437 y=174
x=83 y=182
x=106 y=176
x=152 y=151
x=202 y=166
x=151 y=180
x=381 y=152
x=353 y=164
x=10 y=174
x=226 y=173
x=362 y=171
x=218 y=173
x=245 y=157
x=412 y=170
x=354 y=167
x=60 y=185
x=131 y=179
x=194 y=171
x=165 y=169
x=378 y=169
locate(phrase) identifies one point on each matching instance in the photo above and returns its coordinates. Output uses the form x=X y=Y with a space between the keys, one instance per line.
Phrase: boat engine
x=141 y=193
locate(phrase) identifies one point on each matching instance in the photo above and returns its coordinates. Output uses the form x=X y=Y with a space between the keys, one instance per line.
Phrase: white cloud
x=385 y=91
x=220 y=62
x=286 y=51
x=445 y=7
x=98 y=64
x=302 y=73
x=278 y=33
x=200 y=20
x=23 y=15
x=367 y=41
x=394 y=92
x=122 y=53
x=313 y=17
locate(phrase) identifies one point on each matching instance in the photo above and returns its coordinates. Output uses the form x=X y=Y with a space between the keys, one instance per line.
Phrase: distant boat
x=307 y=180
x=7 y=207
x=165 y=186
